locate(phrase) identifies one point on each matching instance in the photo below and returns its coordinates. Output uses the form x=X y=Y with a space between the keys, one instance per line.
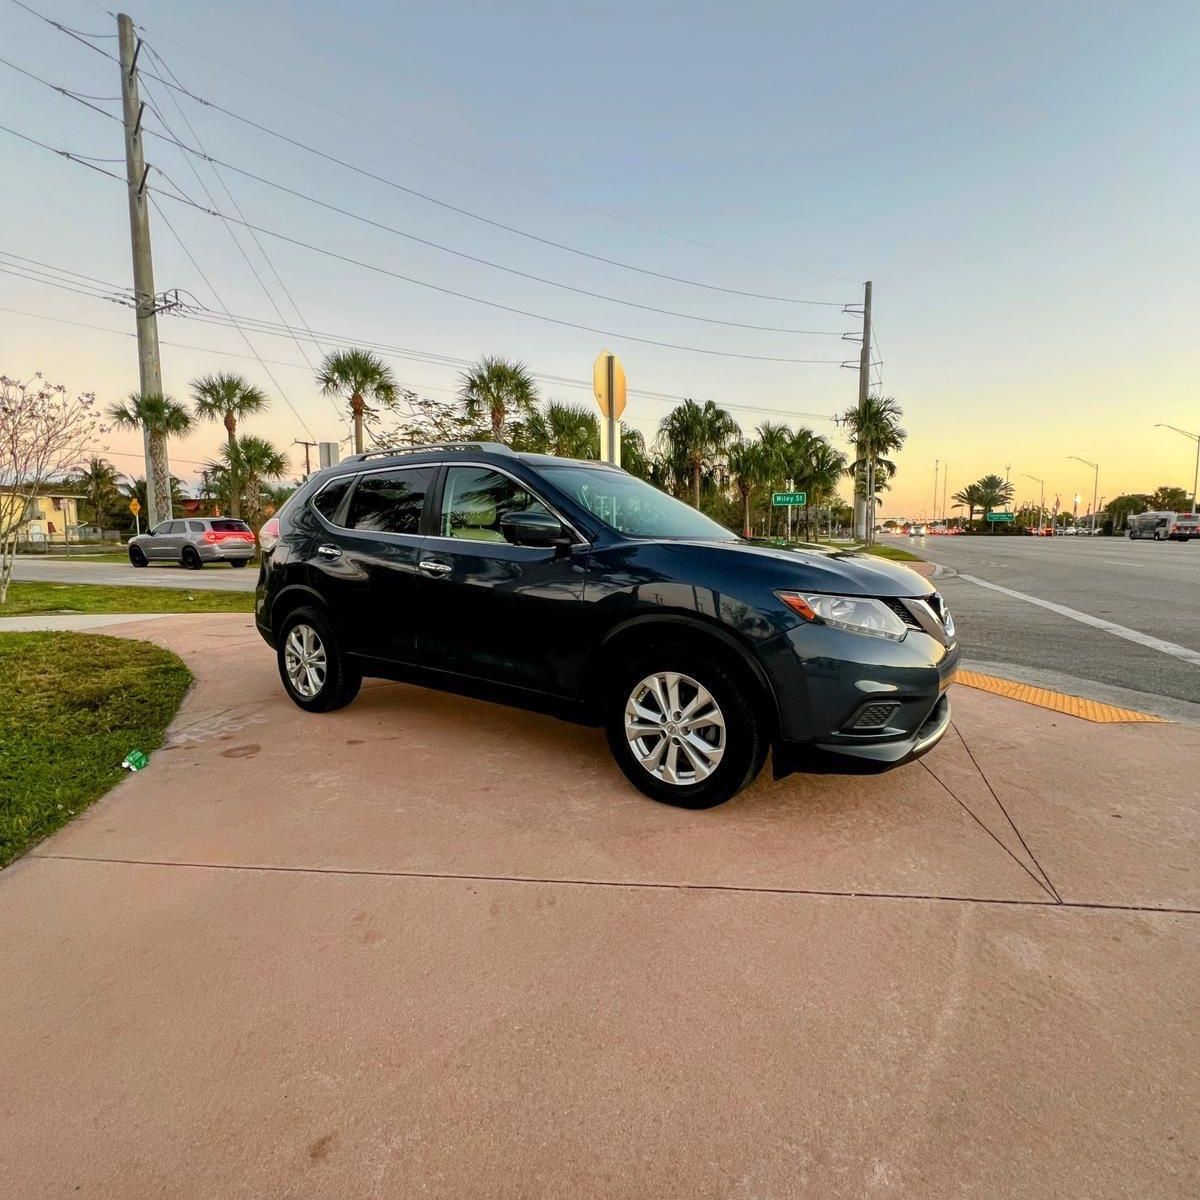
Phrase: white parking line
x=1130 y=635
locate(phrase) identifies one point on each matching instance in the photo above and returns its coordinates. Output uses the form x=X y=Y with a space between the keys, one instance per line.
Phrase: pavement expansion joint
x=1061 y=702
x=615 y=884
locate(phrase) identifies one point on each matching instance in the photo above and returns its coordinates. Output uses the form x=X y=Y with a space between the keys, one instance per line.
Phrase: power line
x=558 y=380
x=241 y=250
x=487 y=170
x=473 y=215
x=81 y=159
x=72 y=33
x=433 y=286
x=233 y=201
x=82 y=38
x=374 y=267
x=199 y=153
x=249 y=343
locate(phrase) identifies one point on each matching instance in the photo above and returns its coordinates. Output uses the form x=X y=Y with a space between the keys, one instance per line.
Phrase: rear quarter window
x=329 y=498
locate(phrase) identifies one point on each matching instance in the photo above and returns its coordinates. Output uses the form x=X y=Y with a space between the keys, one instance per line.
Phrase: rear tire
x=690 y=765
x=238 y=562
x=137 y=556
x=191 y=559
x=316 y=673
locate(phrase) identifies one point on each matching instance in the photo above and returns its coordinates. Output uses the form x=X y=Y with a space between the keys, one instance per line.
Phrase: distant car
x=1068 y=531
x=194 y=541
x=1185 y=527
x=918 y=531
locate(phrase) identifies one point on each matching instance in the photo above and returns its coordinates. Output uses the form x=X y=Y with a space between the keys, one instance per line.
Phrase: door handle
x=434 y=568
x=328 y=551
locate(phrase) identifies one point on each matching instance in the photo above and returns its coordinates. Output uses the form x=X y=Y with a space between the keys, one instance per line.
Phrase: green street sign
x=999 y=516
x=782 y=499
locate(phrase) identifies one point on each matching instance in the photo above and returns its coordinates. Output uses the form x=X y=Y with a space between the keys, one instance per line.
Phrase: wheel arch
x=643 y=631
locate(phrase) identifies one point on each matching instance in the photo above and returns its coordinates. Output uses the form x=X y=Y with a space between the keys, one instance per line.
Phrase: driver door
x=491 y=610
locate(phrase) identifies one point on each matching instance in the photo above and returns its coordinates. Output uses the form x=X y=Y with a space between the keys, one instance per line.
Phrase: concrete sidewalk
x=428 y=945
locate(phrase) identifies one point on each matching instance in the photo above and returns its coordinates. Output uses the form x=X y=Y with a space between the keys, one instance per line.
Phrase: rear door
x=168 y=541
x=369 y=568
x=492 y=610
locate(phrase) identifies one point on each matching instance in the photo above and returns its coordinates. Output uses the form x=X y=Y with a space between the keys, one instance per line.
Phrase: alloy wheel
x=675 y=728
x=305 y=661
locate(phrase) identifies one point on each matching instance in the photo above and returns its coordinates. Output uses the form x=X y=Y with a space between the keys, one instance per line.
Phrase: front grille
x=901 y=610
x=874 y=716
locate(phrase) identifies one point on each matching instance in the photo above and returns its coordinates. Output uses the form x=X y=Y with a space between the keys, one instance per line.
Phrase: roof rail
x=395 y=451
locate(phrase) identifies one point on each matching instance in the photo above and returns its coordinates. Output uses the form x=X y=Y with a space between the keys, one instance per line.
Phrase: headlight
x=857 y=614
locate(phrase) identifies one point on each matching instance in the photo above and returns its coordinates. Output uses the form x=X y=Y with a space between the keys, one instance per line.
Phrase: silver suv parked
x=194 y=541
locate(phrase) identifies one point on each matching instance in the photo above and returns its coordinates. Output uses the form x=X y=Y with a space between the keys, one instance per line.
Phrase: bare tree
x=44 y=433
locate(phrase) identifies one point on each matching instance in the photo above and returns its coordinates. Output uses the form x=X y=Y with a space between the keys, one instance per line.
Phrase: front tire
x=316 y=673
x=685 y=730
x=137 y=556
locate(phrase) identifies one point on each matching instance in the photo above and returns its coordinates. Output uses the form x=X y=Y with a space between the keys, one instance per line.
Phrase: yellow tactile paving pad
x=1072 y=706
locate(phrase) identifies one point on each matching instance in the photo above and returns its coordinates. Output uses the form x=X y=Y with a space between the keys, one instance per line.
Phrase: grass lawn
x=895 y=553
x=29 y=598
x=73 y=705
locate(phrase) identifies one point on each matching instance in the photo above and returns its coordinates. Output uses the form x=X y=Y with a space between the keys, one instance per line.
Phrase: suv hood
x=839 y=571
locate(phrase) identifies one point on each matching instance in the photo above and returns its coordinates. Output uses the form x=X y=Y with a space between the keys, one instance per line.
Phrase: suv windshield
x=631 y=506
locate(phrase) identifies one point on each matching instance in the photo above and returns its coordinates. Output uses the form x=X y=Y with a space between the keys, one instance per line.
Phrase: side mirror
x=533 y=529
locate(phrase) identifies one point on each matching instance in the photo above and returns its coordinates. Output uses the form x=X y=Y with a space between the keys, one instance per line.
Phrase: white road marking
x=1130 y=635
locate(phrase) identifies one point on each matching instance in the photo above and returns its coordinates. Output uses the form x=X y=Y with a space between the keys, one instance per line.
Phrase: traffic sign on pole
x=608 y=380
x=993 y=516
x=134 y=507
x=781 y=499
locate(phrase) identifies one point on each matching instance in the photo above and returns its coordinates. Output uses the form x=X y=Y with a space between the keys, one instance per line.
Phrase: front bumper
x=826 y=681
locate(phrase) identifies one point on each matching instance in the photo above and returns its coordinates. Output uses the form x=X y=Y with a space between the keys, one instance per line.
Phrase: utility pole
x=864 y=506
x=158 y=470
x=935 y=489
x=945 y=489
x=307 y=462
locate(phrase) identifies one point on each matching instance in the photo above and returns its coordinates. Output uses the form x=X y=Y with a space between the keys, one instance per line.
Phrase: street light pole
x=1095 y=484
x=1041 y=502
x=1195 y=478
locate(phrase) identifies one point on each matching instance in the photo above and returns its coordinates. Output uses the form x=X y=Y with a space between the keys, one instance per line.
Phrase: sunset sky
x=1020 y=182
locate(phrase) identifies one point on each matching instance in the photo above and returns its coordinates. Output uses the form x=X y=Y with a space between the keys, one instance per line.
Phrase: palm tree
x=497 y=390
x=874 y=427
x=100 y=483
x=693 y=437
x=992 y=493
x=159 y=418
x=800 y=454
x=228 y=398
x=776 y=441
x=748 y=462
x=358 y=376
x=827 y=464
x=634 y=458
x=969 y=499
x=259 y=463
x=568 y=430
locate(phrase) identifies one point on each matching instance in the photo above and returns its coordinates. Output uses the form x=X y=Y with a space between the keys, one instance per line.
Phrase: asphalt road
x=1148 y=589
x=219 y=577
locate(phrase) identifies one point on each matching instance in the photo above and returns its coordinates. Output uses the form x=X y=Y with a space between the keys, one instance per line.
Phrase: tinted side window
x=327 y=500
x=195 y=526
x=176 y=527
x=474 y=499
x=390 y=501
